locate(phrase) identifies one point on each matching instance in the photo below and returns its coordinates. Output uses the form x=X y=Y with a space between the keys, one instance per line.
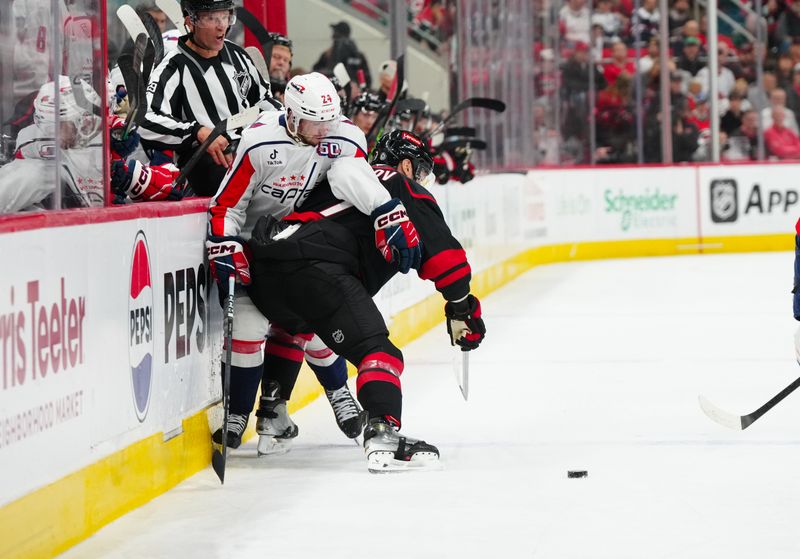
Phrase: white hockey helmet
x=44 y=106
x=311 y=97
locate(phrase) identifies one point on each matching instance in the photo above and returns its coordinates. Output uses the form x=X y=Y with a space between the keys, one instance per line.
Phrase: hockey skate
x=349 y=416
x=236 y=425
x=274 y=426
x=388 y=451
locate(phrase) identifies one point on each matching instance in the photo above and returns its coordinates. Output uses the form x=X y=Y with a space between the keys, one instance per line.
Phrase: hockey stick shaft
x=376 y=131
x=239 y=120
x=489 y=103
x=218 y=459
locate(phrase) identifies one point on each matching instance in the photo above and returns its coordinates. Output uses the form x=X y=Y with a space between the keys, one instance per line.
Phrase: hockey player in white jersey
x=280 y=160
x=31 y=176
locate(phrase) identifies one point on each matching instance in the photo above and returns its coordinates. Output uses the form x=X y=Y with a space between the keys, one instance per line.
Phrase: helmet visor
x=423 y=169
x=210 y=20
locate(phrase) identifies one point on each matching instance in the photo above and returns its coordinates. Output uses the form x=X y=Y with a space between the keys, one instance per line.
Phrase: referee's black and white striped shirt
x=187 y=91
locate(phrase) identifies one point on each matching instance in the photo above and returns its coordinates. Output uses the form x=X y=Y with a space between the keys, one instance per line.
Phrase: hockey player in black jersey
x=317 y=270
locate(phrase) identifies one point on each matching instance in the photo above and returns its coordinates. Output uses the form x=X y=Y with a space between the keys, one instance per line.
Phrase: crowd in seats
x=608 y=40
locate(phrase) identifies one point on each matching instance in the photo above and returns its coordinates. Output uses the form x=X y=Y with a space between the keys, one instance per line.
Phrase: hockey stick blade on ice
x=218 y=458
x=742 y=422
x=173 y=10
x=239 y=120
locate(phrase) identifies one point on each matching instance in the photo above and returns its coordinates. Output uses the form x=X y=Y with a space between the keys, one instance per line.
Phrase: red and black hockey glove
x=464 y=322
x=226 y=256
x=396 y=237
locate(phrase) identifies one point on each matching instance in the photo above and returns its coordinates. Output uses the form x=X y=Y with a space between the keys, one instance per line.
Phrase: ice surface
x=588 y=366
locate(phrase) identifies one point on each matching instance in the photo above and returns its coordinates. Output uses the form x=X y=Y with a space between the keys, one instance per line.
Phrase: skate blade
x=270 y=446
x=385 y=463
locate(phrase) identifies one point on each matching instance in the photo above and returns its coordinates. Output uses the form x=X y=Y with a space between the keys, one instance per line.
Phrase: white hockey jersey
x=31 y=176
x=272 y=174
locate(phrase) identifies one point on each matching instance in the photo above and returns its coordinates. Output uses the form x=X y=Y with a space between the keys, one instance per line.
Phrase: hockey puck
x=577 y=473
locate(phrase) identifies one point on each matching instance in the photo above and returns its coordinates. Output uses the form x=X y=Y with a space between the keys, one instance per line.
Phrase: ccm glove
x=144 y=183
x=226 y=256
x=464 y=322
x=396 y=237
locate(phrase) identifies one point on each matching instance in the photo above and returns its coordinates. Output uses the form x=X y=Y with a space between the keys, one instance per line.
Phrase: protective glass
x=215 y=19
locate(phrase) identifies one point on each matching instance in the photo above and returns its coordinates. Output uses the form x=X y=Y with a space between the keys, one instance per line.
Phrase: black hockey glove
x=464 y=322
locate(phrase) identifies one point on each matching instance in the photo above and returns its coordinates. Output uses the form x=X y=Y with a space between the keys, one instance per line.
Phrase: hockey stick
x=376 y=131
x=461 y=369
x=259 y=62
x=342 y=81
x=130 y=65
x=742 y=422
x=158 y=44
x=255 y=27
x=218 y=458
x=175 y=14
x=472 y=103
x=130 y=20
x=239 y=120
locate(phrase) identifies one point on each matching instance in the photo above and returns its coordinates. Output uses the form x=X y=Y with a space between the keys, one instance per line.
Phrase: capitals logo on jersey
x=140 y=322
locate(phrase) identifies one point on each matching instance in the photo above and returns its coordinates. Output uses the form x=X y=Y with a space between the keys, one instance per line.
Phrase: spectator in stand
x=385 y=78
x=574 y=19
x=612 y=23
x=435 y=19
x=759 y=98
x=788 y=24
x=745 y=139
x=678 y=15
x=784 y=71
x=619 y=64
x=649 y=60
x=777 y=100
x=677 y=88
x=793 y=92
x=575 y=88
x=732 y=119
x=794 y=51
x=615 y=120
x=645 y=21
x=726 y=79
x=689 y=29
x=343 y=50
x=781 y=141
x=689 y=60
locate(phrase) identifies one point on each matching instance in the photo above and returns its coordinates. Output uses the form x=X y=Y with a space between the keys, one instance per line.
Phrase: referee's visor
x=219 y=18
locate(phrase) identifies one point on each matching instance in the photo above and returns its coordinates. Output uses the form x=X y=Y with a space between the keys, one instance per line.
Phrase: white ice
x=593 y=366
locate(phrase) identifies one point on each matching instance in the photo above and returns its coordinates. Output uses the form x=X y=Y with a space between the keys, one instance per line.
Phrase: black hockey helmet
x=397 y=145
x=278 y=39
x=190 y=7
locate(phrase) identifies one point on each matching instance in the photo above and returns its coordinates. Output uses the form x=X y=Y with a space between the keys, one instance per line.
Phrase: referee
x=204 y=81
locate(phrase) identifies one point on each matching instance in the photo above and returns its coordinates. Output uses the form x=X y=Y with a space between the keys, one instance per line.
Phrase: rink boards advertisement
x=106 y=337
x=110 y=329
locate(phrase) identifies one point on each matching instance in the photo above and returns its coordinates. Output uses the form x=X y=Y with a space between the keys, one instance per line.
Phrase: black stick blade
x=218 y=463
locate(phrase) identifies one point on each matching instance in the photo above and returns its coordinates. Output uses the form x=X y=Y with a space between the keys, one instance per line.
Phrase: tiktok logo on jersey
x=274 y=160
x=724 y=200
x=140 y=339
